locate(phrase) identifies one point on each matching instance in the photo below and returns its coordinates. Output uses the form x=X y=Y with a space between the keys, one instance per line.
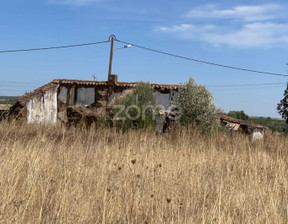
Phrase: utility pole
x=112 y=37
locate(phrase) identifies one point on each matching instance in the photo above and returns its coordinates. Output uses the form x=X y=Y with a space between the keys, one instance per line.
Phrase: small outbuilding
x=256 y=131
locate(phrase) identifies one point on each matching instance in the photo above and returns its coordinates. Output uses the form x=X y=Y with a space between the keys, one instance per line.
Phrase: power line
x=202 y=61
x=11 y=90
x=17 y=86
x=149 y=49
x=247 y=85
x=20 y=83
x=54 y=47
x=245 y=88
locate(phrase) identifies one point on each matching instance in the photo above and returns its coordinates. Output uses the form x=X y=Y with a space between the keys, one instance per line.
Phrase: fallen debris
x=81 y=115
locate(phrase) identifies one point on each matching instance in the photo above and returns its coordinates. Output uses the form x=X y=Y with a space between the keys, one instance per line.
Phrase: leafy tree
x=282 y=107
x=238 y=114
x=196 y=103
x=135 y=110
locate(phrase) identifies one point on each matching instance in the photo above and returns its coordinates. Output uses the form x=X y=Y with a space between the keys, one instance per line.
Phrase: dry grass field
x=5 y=106
x=59 y=175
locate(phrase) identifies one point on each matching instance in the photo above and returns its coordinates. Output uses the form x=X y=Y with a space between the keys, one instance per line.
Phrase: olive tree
x=196 y=103
x=238 y=114
x=282 y=107
x=135 y=110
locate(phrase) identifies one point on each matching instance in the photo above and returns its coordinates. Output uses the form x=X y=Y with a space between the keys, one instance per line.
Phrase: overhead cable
x=149 y=49
x=247 y=85
x=244 y=88
x=53 y=47
x=202 y=61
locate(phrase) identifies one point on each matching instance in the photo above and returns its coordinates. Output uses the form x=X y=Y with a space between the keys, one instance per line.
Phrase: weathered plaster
x=52 y=105
x=62 y=95
x=85 y=96
x=43 y=109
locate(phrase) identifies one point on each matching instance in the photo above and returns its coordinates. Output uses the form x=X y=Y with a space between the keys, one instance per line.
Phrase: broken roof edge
x=225 y=117
x=120 y=84
x=39 y=91
x=42 y=89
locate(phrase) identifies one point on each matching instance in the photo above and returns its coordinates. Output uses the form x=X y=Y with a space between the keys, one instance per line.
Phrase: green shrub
x=275 y=125
x=198 y=109
x=238 y=114
x=138 y=105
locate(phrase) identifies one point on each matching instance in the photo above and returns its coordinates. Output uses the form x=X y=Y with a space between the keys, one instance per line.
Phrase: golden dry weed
x=58 y=175
x=5 y=106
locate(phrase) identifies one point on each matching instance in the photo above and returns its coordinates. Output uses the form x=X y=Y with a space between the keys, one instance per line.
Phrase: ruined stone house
x=69 y=101
x=65 y=100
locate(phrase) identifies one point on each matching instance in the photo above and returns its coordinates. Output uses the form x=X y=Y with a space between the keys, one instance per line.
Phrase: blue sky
x=251 y=34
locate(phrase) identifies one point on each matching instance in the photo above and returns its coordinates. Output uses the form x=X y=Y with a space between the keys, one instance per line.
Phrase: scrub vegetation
x=136 y=109
x=8 y=99
x=5 y=106
x=6 y=102
x=275 y=125
x=79 y=175
x=238 y=115
x=198 y=109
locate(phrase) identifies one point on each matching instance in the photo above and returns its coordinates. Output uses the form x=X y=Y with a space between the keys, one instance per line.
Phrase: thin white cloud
x=186 y=28
x=243 y=12
x=254 y=35
x=245 y=26
x=72 y=2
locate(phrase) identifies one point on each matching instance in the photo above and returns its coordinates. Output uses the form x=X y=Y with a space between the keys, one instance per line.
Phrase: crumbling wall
x=98 y=99
x=94 y=98
x=116 y=97
x=43 y=108
x=81 y=115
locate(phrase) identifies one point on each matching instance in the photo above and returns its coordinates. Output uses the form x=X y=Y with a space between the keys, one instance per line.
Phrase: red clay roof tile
x=121 y=84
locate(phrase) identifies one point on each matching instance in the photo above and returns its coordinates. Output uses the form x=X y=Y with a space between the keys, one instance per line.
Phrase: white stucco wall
x=257 y=134
x=71 y=97
x=62 y=96
x=43 y=109
x=85 y=96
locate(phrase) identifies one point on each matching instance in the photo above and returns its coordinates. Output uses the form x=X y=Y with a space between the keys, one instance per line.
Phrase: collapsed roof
x=223 y=117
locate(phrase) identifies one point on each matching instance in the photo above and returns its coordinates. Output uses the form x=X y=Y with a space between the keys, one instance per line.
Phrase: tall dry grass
x=59 y=175
x=5 y=106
